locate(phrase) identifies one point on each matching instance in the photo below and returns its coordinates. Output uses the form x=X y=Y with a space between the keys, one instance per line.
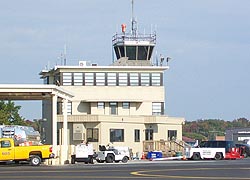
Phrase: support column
x=64 y=147
x=54 y=124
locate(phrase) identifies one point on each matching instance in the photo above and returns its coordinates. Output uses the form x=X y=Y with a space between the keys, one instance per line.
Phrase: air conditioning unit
x=78 y=128
x=82 y=63
x=78 y=136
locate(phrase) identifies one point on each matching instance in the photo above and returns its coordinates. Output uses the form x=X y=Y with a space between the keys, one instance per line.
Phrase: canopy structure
x=28 y=92
x=32 y=92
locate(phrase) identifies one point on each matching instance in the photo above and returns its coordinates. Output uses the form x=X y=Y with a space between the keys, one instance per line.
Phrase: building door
x=149 y=134
x=113 y=108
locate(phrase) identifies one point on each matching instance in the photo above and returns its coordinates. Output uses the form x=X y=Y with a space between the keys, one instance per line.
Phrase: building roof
x=187 y=139
x=31 y=92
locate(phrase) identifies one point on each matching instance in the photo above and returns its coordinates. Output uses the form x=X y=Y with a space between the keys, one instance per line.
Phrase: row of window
x=112 y=79
x=157 y=107
x=117 y=135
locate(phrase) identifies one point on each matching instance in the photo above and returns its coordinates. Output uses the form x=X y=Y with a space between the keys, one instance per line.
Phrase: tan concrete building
x=122 y=104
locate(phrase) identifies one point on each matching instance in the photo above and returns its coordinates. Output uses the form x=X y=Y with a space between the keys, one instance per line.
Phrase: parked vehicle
x=113 y=154
x=214 y=150
x=22 y=135
x=83 y=153
x=33 y=154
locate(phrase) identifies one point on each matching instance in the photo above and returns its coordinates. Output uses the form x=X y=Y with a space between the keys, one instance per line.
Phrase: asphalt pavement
x=174 y=169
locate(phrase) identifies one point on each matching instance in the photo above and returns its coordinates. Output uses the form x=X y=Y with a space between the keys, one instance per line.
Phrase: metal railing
x=139 y=37
x=167 y=147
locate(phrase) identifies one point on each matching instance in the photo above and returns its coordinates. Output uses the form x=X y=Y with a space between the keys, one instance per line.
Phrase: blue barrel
x=154 y=155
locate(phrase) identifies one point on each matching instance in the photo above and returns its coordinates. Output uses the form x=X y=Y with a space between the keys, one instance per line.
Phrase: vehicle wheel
x=196 y=156
x=218 y=156
x=16 y=162
x=73 y=159
x=117 y=161
x=110 y=158
x=91 y=161
x=35 y=160
x=125 y=159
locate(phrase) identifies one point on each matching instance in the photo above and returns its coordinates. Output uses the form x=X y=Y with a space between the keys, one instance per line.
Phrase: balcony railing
x=121 y=118
x=139 y=37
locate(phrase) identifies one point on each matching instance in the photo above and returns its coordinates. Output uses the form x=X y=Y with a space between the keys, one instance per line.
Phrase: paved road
x=225 y=169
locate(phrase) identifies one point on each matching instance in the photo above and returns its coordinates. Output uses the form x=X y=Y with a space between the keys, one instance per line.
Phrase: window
x=100 y=105
x=119 y=51
x=113 y=108
x=92 y=134
x=172 y=134
x=57 y=80
x=78 y=80
x=89 y=79
x=157 y=108
x=111 y=79
x=5 y=144
x=142 y=52
x=149 y=134
x=69 y=108
x=137 y=135
x=145 y=79
x=116 y=135
x=100 y=79
x=125 y=105
x=123 y=79
x=131 y=52
x=156 y=79
x=46 y=80
x=67 y=79
x=134 y=79
x=60 y=108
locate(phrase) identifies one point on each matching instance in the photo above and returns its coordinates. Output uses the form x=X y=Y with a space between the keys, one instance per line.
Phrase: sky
x=208 y=42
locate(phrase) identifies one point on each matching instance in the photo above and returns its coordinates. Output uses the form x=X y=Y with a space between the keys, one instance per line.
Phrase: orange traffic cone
x=143 y=156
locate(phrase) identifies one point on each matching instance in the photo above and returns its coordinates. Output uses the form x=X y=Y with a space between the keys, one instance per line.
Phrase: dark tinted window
x=130 y=52
x=122 y=51
x=142 y=52
x=117 y=52
x=150 y=52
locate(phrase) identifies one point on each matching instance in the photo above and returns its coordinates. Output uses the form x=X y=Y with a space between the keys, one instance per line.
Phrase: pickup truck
x=32 y=154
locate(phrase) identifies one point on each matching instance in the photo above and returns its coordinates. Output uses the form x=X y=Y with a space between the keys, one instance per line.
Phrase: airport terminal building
x=122 y=103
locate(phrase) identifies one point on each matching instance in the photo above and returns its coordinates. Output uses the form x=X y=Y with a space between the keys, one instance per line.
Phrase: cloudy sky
x=208 y=41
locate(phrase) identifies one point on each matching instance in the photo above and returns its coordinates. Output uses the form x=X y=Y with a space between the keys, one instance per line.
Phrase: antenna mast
x=134 y=23
x=64 y=55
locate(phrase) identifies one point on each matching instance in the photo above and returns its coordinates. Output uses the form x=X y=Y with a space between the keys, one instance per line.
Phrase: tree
x=9 y=114
x=208 y=128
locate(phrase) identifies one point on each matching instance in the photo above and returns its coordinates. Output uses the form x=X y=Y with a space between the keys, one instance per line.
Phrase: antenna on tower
x=64 y=55
x=133 y=21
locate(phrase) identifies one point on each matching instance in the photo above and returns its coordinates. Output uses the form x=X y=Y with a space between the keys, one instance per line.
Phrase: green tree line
x=209 y=128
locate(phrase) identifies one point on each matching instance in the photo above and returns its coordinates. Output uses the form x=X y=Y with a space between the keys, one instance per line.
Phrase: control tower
x=132 y=48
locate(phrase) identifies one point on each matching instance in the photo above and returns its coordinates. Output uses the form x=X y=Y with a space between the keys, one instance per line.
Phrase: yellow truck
x=32 y=154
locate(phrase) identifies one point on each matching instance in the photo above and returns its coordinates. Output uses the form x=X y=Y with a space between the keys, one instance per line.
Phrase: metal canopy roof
x=32 y=92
